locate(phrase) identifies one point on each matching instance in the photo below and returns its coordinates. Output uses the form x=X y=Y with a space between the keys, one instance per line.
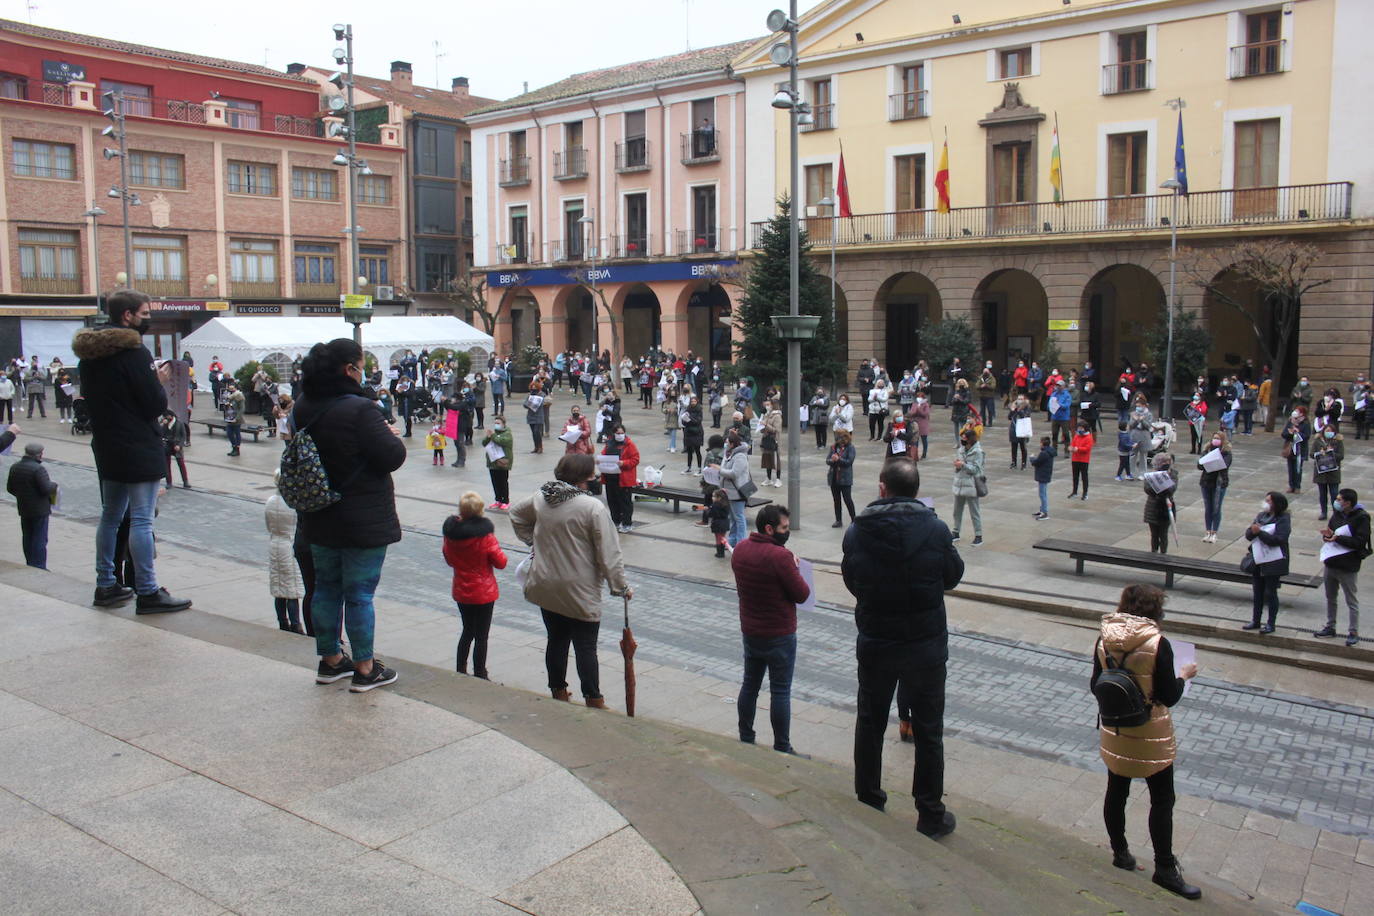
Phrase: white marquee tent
x=277 y=341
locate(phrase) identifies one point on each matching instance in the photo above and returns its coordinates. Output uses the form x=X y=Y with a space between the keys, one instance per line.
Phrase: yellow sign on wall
x=355 y=301
x=1063 y=324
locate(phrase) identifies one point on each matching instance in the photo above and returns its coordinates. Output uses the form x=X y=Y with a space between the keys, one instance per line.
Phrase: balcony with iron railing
x=630 y=245
x=1258 y=58
x=573 y=249
x=50 y=284
x=700 y=146
x=305 y=290
x=185 y=111
x=1239 y=208
x=822 y=118
x=163 y=286
x=1128 y=76
x=694 y=241
x=632 y=155
x=513 y=172
x=570 y=164
x=906 y=106
x=516 y=251
x=254 y=289
x=466 y=229
x=465 y=170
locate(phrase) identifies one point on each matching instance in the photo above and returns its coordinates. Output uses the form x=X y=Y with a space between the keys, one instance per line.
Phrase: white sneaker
x=777 y=483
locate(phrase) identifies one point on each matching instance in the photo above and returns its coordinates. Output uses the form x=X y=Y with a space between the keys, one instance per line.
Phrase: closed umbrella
x=627 y=649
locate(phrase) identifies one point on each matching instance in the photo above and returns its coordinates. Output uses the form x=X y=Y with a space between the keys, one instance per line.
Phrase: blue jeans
x=672 y=437
x=1044 y=497
x=738 y=525
x=33 y=530
x=345 y=580
x=1212 y=498
x=139 y=500
x=777 y=655
x=234 y=433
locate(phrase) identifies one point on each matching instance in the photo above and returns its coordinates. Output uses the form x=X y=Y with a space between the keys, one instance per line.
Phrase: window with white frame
x=159 y=258
x=314 y=184
x=48 y=254
x=374 y=189
x=252 y=261
x=909 y=101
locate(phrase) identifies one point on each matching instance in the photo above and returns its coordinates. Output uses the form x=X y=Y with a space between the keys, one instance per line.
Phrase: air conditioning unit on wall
x=385 y=292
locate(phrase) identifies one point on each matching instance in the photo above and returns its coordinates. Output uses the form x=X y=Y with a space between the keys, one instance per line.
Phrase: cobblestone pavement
x=1282 y=755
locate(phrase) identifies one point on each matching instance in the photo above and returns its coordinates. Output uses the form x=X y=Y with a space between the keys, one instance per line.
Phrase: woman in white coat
x=283 y=576
x=842 y=416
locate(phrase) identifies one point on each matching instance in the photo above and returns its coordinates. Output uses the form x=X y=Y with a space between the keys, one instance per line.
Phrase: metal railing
x=904 y=106
x=700 y=241
x=570 y=163
x=50 y=283
x=573 y=249
x=254 y=289
x=630 y=245
x=632 y=155
x=516 y=251
x=1308 y=203
x=163 y=286
x=700 y=146
x=317 y=290
x=185 y=111
x=1258 y=58
x=1128 y=76
x=512 y=172
x=822 y=118
x=465 y=170
x=466 y=229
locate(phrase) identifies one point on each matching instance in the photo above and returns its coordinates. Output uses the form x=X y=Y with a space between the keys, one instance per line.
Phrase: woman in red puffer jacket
x=1081 y=452
x=471 y=548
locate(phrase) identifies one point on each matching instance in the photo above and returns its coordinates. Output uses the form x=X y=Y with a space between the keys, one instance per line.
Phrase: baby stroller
x=1162 y=437
x=81 y=417
x=422 y=407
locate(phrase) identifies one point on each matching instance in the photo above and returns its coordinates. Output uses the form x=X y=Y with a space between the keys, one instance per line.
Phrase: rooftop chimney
x=460 y=86
x=401 y=74
x=295 y=69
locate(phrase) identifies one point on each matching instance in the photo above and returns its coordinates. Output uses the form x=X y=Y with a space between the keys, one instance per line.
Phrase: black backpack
x=1120 y=701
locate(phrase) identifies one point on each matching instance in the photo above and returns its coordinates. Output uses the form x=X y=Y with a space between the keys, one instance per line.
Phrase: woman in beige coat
x=1132 y=637
x=283 y=575
x=574 y=549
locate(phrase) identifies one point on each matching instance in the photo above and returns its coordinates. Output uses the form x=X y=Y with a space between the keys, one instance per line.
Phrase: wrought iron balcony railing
x=906 y=106
x=1129 y=76
x=632 y=155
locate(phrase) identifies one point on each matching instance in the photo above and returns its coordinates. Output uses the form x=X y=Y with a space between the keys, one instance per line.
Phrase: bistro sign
x=319 y=310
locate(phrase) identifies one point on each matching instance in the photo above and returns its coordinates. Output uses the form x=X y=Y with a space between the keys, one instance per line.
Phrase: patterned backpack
x=304 y=483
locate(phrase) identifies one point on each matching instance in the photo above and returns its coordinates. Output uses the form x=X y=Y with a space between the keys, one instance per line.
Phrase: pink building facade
x=610 y=206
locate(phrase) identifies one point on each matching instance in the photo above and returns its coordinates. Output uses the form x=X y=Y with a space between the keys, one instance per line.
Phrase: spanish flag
x=942 y=181
x=1056 y=167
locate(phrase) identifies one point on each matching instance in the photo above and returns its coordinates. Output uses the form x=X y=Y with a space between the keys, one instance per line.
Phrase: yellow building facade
x=1276 y=140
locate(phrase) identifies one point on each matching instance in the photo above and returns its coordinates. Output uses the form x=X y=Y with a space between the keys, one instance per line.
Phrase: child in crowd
x=283 y=576
x=1124 y=445
x=715 y=454
x=719 y=513
x=1044 y=473
x=437 y=442
x=471 y=548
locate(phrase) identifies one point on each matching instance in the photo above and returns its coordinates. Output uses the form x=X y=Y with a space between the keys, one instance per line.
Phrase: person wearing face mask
x=968 y=467
x=498 y=469
x=582 y=445
x=1360 y=397
x=1329 y=411
x=840 y=475
x=1141 y=434
x=1297 y=443
x=1301 y=396
x=958 y=407
x=1088 y=408
x=987 y=394
x=770 y=587
x=1195 y=412
x=863 y=380
x=819 y=410
x=737 y=484
x=842 y=416
x=619 y=499
x=1158 y=504
x=1271 y=529
x=1265 y=400
x=919 y=418
x=1080 y=454
x=1213 y=485
x=1328 y=452
x=1342 y=569
x=1020 y=380
x=877 y=410
x=1020 y=410
x=906 y=391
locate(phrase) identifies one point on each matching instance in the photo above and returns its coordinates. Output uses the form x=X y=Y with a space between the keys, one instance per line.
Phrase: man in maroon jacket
x=770 y=588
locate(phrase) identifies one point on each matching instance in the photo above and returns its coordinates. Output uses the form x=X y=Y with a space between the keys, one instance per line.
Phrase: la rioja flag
x=942 y=181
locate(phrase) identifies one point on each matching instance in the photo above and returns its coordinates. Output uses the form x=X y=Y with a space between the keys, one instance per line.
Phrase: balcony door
x=820 y=185
x=909 y=195
x=1256 y=168
x=1127 y=156
x=704 y=218
x=573 y=247
x=636 y=226
x=518 y=250
x=1013 y=180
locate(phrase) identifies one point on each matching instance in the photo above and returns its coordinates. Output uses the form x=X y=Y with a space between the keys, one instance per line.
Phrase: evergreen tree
x=759 y=352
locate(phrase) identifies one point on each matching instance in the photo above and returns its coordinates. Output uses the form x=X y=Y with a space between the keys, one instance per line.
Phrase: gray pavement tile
x=1303 y=836
x=93 y=637
x=15 y=810
x=375 y=883
x=15 y=710
x=48 y=867
x=511 y=837
x=61 y=765
x=1341 y=843
x=219 y=842
x=620 y=874
x=397 y=800
x=1327 y=888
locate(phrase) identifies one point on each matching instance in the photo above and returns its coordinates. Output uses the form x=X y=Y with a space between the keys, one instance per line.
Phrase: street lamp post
x=114 y=110
x=1174 y=186
x=356 y=166
x=93 y=214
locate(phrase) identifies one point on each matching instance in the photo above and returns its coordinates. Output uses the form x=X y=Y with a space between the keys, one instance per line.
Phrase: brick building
x=241 y=207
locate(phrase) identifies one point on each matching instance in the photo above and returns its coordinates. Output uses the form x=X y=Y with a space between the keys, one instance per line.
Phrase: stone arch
x=519 y=314
x=576 y=306
x=640 y=312
x=1233 y=336
x=706 y=303
x=1011 y=311
x=1120 y=303
x=905 y=302
x=279 y=362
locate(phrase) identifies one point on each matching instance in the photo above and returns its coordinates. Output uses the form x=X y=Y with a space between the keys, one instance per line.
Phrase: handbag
x=747 y=488
x=1247 y=563
x=522 y=570
x=980 y=486
x=1288 y=450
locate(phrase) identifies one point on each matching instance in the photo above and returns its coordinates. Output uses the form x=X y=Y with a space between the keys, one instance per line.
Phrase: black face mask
x=781 y=538
x=143 y=327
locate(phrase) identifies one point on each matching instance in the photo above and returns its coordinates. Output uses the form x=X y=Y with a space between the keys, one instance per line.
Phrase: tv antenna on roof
x=31 y=7
x=437 y=54
x=687 y=22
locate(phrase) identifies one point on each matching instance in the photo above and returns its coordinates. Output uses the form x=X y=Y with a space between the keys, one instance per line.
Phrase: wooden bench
x=677 y=496
x=247 y=429
x=1169 y=564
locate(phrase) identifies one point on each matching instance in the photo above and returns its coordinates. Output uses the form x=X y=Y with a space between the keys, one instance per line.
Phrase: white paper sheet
x=494 y=451
x=1023 y=428
x=608 y=464
x=1185 y=653
x=898 y=446
x=1159 y=481
x=1332 y=549
x=1261 y=551
x=711 y=476
x=1214 y=460
x=808 y=573
x=571 y=434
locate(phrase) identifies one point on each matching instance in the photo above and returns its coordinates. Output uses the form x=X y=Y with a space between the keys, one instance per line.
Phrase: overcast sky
x=498 y=45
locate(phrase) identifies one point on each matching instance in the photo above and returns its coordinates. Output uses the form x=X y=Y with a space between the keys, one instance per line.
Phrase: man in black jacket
x=126 y=397
x=1342 y=569
x=899 y=560
x=33 y=492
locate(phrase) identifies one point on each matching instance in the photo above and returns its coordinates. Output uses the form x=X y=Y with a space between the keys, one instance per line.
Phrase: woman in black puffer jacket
x=348 y=539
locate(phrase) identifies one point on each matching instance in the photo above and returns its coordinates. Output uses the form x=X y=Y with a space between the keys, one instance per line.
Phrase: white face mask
x=620 y=437
x=498 y=426
x=1295 y=415
x=1266 y=507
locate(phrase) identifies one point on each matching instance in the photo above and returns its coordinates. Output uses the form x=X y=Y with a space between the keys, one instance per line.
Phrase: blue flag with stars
x=1180 y=160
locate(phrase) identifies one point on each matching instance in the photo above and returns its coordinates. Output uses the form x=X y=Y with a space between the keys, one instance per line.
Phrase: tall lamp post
x=793 y=327
x=114 y=110
x=354 y=315
x=93 y=214
x=1174 y=186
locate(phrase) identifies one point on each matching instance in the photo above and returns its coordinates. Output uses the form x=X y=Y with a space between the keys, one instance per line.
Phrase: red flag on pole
x=842 y=189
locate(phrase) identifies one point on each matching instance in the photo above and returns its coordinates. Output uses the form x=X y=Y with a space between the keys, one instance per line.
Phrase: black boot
x=1122 y=858
x=1170 y=877
x=720 y=550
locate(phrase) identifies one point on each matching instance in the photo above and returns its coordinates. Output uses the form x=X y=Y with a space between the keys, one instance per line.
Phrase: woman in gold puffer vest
x=1131 y=635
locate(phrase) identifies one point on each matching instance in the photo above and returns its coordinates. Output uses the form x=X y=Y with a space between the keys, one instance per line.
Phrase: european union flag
x=1180 y=160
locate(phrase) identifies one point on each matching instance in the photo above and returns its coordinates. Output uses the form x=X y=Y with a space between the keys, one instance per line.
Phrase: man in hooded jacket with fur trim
x=126 y=397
